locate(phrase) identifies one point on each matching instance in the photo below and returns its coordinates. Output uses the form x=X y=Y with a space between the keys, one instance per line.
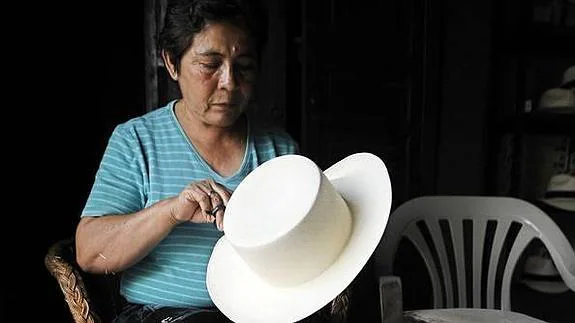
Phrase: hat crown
x=569 y=75
x=287 y=221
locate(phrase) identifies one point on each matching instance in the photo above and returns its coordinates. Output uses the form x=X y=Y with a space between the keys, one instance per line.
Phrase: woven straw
x=60 y=261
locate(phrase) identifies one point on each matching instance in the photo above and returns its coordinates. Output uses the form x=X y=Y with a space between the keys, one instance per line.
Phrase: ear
x=169 y=65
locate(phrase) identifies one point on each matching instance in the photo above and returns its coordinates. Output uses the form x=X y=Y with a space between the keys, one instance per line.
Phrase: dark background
x=77 y=70
x=416 y=82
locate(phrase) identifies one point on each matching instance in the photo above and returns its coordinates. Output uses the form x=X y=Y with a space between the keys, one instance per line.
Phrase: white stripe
x=120 y=183
x=188 y=254
x=121 y=170
x=198 y=280
x=175 y=245
x=133 y=291
x=114 y=198
x=118 y=151
x=159 y=152
x=106 y=204
x=174 y=160
x=187 y=236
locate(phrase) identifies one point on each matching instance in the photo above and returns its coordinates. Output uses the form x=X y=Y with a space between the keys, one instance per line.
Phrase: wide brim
x=563 y=203
x=547 y=287
x=363 y=182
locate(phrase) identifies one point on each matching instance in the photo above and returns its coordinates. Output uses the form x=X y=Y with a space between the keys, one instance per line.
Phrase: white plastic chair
x=471 y=246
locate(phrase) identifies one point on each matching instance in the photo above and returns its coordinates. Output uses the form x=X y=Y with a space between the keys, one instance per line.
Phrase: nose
x=227 y=78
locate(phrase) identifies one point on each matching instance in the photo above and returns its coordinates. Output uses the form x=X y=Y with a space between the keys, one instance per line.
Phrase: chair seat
x=463 y=315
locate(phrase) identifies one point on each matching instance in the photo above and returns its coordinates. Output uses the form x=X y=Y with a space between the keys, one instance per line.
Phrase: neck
x=205 y=134
x=223 y=148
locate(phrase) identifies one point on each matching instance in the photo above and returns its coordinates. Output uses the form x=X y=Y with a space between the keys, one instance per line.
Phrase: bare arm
x=113 y=243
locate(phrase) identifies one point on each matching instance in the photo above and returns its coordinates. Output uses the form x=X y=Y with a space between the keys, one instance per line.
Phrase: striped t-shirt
x=148 y=159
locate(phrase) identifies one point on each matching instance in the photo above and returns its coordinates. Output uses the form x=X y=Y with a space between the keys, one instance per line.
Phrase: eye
x=211 y=65
x=249 y=67
x=246 y=66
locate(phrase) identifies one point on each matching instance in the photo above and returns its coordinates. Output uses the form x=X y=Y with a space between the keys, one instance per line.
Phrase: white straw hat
x=540 y=271
x=569 y=78
x=560 y=192
x=296 y=237
x=557 y=100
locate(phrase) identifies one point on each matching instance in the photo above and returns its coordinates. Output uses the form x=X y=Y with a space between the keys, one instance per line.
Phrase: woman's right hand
x=201 y=202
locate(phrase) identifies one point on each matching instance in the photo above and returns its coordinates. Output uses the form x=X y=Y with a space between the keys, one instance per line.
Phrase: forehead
x=222 y=38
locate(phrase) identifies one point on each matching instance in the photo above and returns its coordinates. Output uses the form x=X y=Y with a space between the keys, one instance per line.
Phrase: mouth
x=224 y=105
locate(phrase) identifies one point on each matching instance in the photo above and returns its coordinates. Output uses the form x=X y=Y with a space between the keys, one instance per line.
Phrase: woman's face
x=217 y=74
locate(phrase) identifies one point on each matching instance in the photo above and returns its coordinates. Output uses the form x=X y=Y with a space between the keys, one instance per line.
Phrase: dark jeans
x=136 y=313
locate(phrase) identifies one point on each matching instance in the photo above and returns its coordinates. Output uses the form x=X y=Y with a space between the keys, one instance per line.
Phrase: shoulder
x=274 y=133
x=146 y=124
x=267 y=136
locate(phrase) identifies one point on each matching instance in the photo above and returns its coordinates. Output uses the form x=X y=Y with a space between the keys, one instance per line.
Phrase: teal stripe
x=104 y=197
x=155 y=276
x=114 y=184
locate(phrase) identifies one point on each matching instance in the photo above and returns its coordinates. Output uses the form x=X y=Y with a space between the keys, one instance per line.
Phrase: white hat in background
x=296 y=237
x=560 y=192
x=569 y=78
x=557 y=100
x=540 y=272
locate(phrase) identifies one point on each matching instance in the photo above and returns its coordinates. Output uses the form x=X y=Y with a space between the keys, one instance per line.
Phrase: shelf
x=540 y=123
x=543 y=39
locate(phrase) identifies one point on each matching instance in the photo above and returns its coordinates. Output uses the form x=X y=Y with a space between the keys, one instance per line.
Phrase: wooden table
x=464 y=315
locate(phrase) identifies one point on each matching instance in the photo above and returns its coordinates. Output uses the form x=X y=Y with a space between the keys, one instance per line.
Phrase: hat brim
x=363 y=182
x=547 y=287
x=565 y=203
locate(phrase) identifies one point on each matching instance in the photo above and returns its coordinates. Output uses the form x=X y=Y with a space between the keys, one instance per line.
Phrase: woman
x=156 y=207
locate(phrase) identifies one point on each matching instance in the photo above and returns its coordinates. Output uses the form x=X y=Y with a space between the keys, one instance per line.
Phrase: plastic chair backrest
x=472 y=244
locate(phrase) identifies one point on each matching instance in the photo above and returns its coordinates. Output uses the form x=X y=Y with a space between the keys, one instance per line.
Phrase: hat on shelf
x=540 y=272
x=296 y=237
x=560 y=192
x=557 y=100
x=568 y=78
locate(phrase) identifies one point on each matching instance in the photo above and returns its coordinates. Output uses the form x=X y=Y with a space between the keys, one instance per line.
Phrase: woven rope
x=339 y=308
x=58 y=261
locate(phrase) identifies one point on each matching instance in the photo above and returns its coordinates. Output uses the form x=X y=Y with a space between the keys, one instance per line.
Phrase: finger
x=204 y=200
x=218 y=209
x=205 y=187
x=218 y=193
x=223 y=192
x=215 y=198
x=220 y=218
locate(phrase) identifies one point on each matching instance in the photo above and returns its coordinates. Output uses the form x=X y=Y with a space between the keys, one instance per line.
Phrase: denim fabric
x=133 y=313
x=137 y=313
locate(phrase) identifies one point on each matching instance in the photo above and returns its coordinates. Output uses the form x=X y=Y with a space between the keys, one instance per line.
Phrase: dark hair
x=185 y=18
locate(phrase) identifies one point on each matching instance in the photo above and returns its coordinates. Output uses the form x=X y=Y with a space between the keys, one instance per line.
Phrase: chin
x=225 y=121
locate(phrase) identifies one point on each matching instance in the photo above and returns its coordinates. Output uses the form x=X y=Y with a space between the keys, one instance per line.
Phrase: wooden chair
x=96 y=298
x=90 y=298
